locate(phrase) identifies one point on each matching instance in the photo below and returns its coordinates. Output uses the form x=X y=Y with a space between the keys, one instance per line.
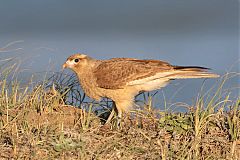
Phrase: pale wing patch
x=192 y=74
x=153 y=85
x=149 y=79
x=173 y=74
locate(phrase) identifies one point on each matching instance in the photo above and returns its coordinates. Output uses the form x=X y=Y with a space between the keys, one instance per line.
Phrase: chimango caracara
x=121 y=79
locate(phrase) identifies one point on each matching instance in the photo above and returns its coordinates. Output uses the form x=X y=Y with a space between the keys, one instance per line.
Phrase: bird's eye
x=76 y=60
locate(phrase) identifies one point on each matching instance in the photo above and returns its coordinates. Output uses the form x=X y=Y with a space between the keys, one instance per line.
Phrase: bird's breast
x=89 y=86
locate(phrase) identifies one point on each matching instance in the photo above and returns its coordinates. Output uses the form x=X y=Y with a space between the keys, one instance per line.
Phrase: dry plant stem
x=6 y=98
x=233 y=149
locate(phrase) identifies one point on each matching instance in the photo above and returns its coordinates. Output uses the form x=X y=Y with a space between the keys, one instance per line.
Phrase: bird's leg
x=119 y=115
x=114 y=109
x=119 y=118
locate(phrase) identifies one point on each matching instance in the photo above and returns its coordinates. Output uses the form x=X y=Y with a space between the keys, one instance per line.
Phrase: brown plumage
x=121 y=79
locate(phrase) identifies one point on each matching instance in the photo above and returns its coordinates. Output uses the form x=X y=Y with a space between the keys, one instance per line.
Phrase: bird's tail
x=184 y=72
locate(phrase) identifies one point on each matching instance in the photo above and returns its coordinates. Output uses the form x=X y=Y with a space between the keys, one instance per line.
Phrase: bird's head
x=76 y=62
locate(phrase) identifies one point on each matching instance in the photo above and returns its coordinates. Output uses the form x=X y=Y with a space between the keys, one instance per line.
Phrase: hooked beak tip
x=64 y=66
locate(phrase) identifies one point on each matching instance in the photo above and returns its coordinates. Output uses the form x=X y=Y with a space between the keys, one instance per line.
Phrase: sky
x=185 y=32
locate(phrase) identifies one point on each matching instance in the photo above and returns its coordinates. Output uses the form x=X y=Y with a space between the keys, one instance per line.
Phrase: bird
x=121 y=79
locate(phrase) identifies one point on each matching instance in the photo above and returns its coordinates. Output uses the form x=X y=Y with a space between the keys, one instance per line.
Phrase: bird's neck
x=87 y=80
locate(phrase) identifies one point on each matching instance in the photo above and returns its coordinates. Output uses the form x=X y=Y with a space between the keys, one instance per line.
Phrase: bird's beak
x=64 y=66
x=68 y=64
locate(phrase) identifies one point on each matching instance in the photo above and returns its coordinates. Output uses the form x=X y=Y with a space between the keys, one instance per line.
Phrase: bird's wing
x=119 y=72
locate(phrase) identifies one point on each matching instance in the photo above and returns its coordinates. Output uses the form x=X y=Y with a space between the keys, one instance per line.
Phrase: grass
x=54 y=120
